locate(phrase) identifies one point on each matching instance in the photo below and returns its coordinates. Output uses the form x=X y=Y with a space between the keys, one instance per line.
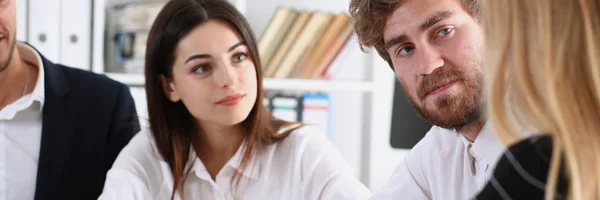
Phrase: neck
x=221 y=140
x=12 y=80
x=471 y=131
x=217 y=145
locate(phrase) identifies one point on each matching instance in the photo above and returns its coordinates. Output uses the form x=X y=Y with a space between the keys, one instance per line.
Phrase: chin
x=234 y=120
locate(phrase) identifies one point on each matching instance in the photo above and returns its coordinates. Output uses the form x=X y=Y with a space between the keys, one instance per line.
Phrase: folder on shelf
x=22 y=20
x=267 y=103
x=285 y=107
x=336 y=53
x=316 y=110
x=45 y=35
x=335 y=63
x=75 y=33
x=140 y=16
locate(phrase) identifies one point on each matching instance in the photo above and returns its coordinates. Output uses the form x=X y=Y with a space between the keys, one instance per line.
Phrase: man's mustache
x=437 y=79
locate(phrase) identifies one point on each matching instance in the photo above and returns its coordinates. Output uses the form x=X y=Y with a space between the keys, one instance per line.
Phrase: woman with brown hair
x=210 y=137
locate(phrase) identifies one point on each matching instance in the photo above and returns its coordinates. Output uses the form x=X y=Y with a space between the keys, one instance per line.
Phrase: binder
x=285 y=107
x=75 y=33
x=339 y=60
x=316 y=109
x=141 y=105
x=124 y=46
x=44 y=27
x=267 y=103
x=22 y=20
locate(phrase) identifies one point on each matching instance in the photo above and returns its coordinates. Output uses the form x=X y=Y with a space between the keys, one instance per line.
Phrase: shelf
x=317 y=85
x=122 y=3
x=274 y=84
x=129 y=79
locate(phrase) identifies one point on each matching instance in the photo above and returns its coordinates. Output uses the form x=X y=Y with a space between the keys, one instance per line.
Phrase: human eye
x=239 y=57
x=202 y=68
x=405 y=50
x=444 y=32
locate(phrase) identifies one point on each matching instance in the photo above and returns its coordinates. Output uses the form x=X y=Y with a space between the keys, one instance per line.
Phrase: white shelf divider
x=275 y=84
x=317 y=85
x=128 y=79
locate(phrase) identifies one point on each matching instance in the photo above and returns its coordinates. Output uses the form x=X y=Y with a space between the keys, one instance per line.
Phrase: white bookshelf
x=275 y=84
x=361 y=94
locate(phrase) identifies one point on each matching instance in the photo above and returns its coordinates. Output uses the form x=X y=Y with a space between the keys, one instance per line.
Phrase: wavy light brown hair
x=173 y=127
x=370 y=16
x=543 y=58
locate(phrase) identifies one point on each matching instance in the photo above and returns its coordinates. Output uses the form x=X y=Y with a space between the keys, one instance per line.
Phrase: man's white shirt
x=444 y=165
x=21 y=135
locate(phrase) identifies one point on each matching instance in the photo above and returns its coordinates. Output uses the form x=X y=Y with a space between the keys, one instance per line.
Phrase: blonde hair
x=545 y=73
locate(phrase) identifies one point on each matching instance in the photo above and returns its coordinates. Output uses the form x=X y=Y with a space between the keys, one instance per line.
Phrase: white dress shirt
x=305 y=165
x=444 y=165
x=20 y=136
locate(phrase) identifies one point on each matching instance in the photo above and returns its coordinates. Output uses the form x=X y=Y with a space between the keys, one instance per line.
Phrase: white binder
x=75 y=33
x=44 y=27
x=285 y=108
x=22 y=20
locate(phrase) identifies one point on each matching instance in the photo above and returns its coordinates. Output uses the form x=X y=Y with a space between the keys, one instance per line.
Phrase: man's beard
x=4 y=64
x=451 y=111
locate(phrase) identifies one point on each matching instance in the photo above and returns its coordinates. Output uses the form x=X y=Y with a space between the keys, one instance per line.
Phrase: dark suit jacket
x=87 y=120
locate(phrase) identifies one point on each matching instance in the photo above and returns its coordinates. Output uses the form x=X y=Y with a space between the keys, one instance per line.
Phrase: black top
x=87 y=119
x=522 y=172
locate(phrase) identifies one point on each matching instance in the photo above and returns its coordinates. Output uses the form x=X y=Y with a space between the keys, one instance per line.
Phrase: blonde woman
x=544 y=57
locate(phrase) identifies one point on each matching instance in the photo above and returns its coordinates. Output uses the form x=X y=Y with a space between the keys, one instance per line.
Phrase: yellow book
x=273 y=33
x=287 y=42
x=337 y=25
x=317 y=22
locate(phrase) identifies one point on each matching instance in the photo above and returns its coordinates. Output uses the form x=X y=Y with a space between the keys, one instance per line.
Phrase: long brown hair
x=543 y=57
x=172 y=125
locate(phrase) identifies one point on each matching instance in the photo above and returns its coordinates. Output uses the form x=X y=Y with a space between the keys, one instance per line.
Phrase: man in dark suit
x=60 y=128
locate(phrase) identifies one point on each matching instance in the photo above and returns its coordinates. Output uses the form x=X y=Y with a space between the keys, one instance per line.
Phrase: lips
x=435 y=88
x=231 y=99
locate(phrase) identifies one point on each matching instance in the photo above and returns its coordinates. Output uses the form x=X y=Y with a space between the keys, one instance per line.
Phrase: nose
x=429 y=59
x=225 y=75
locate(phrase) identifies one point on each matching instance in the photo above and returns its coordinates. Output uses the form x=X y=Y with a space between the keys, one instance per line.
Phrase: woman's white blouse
x=305 y=165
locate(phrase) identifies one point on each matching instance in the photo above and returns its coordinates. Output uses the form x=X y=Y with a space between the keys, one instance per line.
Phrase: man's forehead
x=412 y=13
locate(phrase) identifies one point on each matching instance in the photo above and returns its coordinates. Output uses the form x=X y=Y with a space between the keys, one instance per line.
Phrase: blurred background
x=314 y=70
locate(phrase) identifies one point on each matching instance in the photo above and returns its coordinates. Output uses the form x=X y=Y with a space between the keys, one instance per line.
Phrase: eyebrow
x=395 y=40
x=201 y=56
x=432 y=20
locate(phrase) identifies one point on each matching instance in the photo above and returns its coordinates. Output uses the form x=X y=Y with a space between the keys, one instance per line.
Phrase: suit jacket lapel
x=57 y=134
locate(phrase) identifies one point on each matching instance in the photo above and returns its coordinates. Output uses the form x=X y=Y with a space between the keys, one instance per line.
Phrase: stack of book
x=305 y=44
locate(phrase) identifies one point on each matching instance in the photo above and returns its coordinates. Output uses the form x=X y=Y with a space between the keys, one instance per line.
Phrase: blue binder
x=316 y=109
